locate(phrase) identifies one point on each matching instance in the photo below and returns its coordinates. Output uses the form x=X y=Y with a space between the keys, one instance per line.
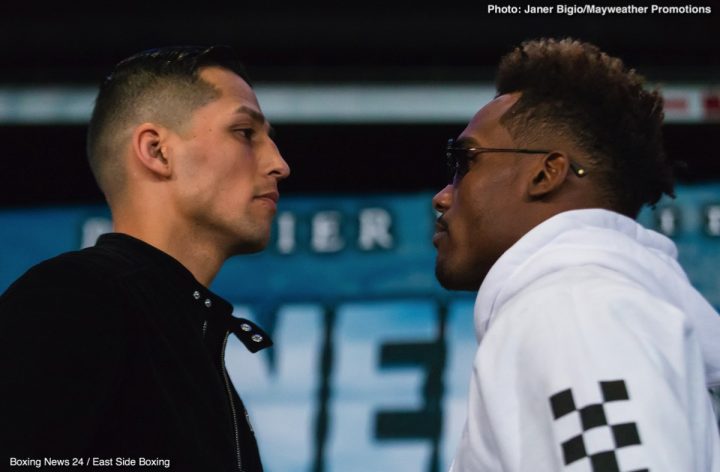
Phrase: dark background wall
x=396 y=44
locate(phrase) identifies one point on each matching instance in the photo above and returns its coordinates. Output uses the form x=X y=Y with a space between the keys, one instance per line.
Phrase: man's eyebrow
x=465 y=142
x=253 y=114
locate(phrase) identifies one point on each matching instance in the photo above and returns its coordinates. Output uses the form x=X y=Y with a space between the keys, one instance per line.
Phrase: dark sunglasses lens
x=457 y=162
x=451 y=163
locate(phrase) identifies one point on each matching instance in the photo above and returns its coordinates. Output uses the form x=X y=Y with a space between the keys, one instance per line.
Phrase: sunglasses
x=458 y=158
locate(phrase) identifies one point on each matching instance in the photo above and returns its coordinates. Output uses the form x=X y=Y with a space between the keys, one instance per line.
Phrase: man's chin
x=250 y=246
x=451 y=281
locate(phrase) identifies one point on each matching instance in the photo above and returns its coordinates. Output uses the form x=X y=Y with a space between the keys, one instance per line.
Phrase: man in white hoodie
x=595 y=352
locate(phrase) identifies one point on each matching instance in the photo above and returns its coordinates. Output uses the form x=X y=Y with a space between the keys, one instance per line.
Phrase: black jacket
x=116 y=351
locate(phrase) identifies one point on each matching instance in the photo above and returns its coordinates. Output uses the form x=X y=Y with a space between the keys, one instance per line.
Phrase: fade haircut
x=157 y=85
x=572 y=88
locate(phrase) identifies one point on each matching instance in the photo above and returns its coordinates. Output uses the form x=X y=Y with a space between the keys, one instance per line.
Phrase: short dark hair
x=160 y=84
x=572 y=87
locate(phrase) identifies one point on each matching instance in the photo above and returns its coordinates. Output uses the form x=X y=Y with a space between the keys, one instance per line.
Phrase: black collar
x=139 y=254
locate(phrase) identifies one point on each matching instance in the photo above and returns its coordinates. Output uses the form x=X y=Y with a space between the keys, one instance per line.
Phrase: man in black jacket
x=114 y=355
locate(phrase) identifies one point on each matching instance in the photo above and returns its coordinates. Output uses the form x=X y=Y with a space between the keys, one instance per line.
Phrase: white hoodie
x=595 y=355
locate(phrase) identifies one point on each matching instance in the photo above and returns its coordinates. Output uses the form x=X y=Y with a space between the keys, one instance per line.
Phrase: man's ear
x=548 y=174
x=148 y=149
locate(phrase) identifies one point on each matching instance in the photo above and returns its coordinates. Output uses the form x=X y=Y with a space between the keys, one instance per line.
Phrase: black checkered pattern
x=593 y=416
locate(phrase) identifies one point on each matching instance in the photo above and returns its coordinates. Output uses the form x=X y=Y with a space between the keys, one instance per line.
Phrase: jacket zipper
x=232 y=403
x=229 y=393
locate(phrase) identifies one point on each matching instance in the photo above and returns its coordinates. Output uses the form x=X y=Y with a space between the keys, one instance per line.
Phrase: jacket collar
x=141 y=254
x=578 y=237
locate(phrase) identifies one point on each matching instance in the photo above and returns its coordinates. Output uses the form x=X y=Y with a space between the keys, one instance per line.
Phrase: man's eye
x=461 y=169
x=246 y=133
x=463 y=160
x=458 y=161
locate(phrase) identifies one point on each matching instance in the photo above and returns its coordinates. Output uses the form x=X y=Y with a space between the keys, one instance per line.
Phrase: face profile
x=227 y=167
x=480 y=208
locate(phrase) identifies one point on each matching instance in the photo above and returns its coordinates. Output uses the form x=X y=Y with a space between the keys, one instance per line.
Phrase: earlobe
x=148 y=149
x=549 y=175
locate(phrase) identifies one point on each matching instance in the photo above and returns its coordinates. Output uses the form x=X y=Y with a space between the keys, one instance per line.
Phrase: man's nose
x=443 y=199
x=280 y=168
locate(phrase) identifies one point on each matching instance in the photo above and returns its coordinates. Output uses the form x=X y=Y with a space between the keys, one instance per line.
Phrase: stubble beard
x=447 y=278
x=251 y=239
x=456 y=277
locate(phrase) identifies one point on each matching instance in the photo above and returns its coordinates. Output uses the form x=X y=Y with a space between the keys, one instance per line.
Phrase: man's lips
x=441 y=229
x=272 y=196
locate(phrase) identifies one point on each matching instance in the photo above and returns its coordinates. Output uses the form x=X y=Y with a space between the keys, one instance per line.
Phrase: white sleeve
x=588 y=378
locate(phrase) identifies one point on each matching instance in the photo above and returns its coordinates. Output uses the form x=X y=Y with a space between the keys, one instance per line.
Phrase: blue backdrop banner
x=372 y=357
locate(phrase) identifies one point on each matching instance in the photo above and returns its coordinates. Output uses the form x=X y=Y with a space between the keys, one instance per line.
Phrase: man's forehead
x=502 y=103
x=218 y=73
x=233 y=91
x=227 y=82
x=487 y=119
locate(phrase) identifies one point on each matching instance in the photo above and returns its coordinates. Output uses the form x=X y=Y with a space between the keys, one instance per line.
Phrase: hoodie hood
x=606 y=239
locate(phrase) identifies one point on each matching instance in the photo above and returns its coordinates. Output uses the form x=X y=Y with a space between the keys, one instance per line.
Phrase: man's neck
x=202 y=258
